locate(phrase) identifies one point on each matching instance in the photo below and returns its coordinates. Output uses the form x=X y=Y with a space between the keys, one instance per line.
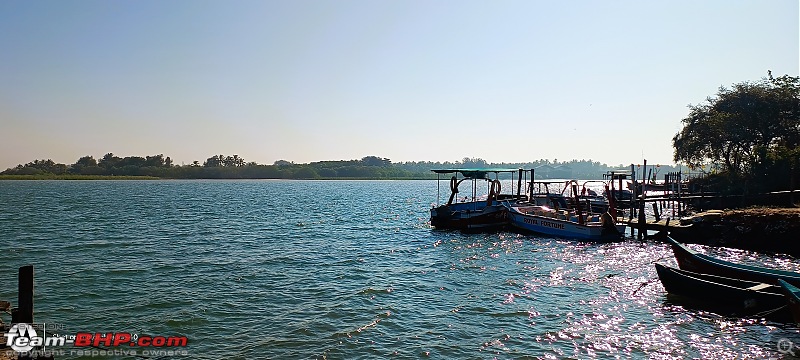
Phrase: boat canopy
x=474 y=173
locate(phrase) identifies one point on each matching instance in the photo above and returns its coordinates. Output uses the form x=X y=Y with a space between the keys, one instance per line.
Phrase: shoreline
x=77 y=177
x=131 y=177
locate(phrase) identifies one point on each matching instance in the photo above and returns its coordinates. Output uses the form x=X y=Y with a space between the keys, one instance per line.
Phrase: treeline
x=235 y=167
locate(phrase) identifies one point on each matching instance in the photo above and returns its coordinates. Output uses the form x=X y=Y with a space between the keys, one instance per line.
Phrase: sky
x=411 y=80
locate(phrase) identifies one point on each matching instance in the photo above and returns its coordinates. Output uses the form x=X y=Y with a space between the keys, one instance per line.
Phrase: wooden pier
x=667 y=224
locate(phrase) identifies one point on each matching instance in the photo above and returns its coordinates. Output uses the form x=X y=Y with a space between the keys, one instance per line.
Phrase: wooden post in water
x=670 y=186
x=530 y=198
x=680 y=203
x=642 y=219
x=792 y=182
x=632 y=208
x=620 y=185
x=24 y=311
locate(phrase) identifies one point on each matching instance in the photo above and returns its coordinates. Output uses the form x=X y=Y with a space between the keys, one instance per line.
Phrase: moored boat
x=724 y=294
x=564 y=223
x=692 y=260
x=792 y=299
x=623 y=197
x=591 y=199
x=472 y=212
x=559 y=215
x=542 y=193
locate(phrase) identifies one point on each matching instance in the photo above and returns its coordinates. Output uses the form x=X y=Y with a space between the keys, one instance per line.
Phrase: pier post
x=642 y=219
x=530 y=198
x=655 y=211
x=24 y=311
x=680 y=190
x=632 y=211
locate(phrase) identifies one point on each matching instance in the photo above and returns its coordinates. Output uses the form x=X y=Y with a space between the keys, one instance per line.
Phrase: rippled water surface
x=344 y=270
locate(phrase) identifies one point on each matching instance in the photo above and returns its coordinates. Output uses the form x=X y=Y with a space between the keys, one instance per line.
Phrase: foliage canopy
x=751 y=129
x=741 y=125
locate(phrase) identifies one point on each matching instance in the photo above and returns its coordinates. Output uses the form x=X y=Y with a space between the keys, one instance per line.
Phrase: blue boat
x=564 y=223
x=558 y=215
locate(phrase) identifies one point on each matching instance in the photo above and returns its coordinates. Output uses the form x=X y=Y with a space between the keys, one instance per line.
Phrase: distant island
x=158 y=166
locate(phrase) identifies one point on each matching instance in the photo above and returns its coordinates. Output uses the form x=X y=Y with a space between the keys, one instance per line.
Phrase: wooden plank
x=759 y=287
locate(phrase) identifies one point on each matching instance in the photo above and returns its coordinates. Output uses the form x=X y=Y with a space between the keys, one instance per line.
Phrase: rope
x=652 y=280
x=642 y=286
x=663 y=257
x=769 y=312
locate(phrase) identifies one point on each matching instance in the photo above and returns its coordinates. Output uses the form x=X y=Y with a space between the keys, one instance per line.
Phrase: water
x=344 y=270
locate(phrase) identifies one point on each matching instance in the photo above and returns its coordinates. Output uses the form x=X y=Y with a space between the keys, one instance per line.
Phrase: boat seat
x=759 y=287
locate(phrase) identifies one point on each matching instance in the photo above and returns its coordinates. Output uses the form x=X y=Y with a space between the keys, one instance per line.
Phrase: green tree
x=234 y=160
x=473 y=163
x=155 y=160
x=215 y=161
x=132 y=162
x=82 y=164
x=375 y=161
x=109 y=161
x=305 y=173
x=747 y=129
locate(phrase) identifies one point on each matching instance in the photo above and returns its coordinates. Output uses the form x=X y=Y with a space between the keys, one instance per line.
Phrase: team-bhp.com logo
x=23 y=338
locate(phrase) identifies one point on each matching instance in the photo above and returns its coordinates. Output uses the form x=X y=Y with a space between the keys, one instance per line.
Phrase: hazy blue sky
x=507 y=81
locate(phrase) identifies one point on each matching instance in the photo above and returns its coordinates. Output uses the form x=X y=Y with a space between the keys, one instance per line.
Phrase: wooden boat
x=543 y=193
x=540 y=193
x=691 y=260
x=472 y=213
x=622 y=196
x=792 y=298
x=558 y=217
x=564 y=223
x=591 y=199
x=722 y=293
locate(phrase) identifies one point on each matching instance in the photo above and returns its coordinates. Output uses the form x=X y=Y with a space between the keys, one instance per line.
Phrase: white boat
x=564 y=223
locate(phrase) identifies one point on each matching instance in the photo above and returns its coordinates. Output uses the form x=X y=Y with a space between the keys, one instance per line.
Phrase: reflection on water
x=346 y=269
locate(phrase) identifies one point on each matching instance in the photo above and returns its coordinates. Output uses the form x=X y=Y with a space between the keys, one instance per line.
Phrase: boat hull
x=792 y=298
x=469 y=216
x=564 y=228
x=725 y=294
x=691 y=260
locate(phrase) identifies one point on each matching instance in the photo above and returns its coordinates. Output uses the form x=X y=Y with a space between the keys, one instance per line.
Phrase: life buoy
x=453 y=190
x=494 y=190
